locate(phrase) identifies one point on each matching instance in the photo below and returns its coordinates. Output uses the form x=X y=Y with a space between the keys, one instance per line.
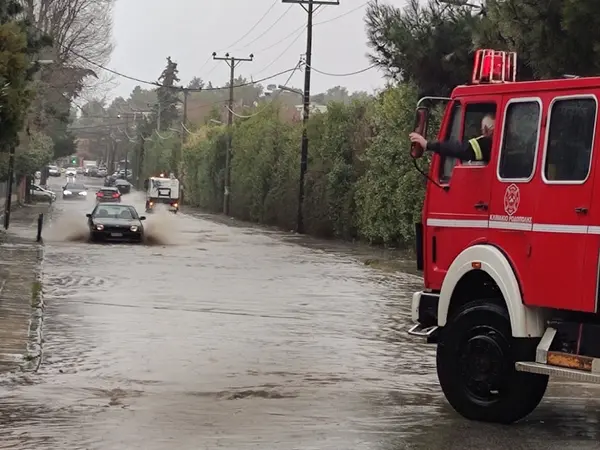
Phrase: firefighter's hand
x=417 y=138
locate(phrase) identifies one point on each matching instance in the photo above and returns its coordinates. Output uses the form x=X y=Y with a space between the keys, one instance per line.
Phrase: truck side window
x=519 y=140
x=570 y=139
x=474 y=114
x=452 y=134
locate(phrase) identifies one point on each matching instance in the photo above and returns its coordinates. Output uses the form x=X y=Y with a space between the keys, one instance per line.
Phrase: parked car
x=75 y=191
x=53 y=171
x=39 y=194
x=71 y=172
x=123 y=186
x=115 y=223
x=108 y=195
x=121 y=174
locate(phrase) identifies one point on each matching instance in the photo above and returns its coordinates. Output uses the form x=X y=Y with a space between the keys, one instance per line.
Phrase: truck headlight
x=134 y=228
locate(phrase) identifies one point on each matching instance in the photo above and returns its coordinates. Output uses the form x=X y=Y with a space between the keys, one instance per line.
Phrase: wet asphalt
x=223 y=336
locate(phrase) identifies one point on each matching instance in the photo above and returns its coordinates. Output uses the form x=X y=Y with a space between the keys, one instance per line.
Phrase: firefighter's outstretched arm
x=476 y=149
x=454 y=149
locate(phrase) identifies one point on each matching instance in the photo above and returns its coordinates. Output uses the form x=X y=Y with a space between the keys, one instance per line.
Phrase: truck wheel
x=476 y=358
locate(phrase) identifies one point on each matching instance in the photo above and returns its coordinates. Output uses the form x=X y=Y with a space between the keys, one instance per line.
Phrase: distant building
x=314 y=108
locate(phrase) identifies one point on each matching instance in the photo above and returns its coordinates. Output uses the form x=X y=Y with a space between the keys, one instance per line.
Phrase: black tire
x=476 y=357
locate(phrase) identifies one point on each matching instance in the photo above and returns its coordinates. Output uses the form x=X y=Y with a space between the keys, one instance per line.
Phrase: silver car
x=39 y=194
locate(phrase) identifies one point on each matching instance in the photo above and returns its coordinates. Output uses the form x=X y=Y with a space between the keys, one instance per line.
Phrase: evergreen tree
x=18 y=46
x=168 y=98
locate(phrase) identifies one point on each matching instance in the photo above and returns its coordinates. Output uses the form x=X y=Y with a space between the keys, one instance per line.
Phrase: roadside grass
x=36 y=293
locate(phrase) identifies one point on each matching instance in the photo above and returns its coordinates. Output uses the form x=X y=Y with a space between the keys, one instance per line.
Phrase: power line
x=342 y=15
x=264 y=109
x=301 y=28
x=372 y=66
x=270 y=28
x=276 y=59
x=178 y=88
x=102 y=126
x=253 y=27
x=156 y=84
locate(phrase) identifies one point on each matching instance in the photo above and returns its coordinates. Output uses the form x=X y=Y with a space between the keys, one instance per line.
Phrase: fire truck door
x=514 y=192
x=457 y=216
x=562 y=216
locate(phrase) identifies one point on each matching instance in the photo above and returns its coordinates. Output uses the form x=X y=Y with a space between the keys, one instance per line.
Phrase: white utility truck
x=161 y=190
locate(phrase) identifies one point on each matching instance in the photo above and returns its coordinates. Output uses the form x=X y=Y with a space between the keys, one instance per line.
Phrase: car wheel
x=476 y=357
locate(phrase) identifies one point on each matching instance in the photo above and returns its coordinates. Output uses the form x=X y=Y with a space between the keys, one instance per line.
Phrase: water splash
x=67 y=228
x=162 y=227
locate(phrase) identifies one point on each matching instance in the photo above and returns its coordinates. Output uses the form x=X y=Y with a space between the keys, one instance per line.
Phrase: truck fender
x=525 y=321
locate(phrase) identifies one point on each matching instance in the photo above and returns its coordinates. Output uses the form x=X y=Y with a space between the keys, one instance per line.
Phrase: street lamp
x=292 y=90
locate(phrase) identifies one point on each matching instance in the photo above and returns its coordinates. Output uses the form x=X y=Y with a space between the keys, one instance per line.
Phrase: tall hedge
x=360 y=183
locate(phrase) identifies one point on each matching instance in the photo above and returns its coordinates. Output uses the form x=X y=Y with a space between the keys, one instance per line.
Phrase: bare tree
x=81 y=32
x=78 y=27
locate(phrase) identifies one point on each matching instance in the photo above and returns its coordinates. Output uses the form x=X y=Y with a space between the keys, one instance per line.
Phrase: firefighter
x=476 y=149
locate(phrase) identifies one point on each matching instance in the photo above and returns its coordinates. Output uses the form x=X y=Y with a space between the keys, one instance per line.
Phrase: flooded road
x=236 y=338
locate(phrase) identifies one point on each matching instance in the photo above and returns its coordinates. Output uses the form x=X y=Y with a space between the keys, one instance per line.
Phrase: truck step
x=545 y=369
x=419 y=330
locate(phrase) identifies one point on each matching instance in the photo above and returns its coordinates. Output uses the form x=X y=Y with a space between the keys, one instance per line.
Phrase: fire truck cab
x=509 y=248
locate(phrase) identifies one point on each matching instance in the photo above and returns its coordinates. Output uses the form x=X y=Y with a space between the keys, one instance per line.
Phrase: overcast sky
x=190 y=30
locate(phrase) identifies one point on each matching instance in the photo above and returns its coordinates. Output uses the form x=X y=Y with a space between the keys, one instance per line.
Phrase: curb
x=35 y=348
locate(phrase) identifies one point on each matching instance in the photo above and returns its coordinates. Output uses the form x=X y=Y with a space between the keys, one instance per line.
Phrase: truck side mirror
x=421 y=121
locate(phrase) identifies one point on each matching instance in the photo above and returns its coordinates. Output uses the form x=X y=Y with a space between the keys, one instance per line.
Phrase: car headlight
x=99 y=227
x=83 y=193
x=67 y=192
x=134 y=228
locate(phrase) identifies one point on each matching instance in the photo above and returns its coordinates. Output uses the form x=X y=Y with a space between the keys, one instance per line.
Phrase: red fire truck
x=510 y=249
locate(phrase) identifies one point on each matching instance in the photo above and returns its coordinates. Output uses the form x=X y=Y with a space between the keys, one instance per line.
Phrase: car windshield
x=109 y=191
x=79 y=187
x=115 y=212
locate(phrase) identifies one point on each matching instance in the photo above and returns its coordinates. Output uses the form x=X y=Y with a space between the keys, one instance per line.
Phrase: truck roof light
x=492 y=66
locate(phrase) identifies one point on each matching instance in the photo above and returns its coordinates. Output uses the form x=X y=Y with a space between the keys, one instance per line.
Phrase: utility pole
x=310 y=6
x=127 y=145
x=186 y=92
x=232 y=62
x=11 y=170
x=183 y=135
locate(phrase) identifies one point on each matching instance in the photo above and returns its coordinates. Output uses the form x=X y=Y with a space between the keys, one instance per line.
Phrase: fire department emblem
x=512 y=198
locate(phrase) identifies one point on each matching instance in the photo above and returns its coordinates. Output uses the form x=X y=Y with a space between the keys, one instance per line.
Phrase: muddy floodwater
x=213 y=336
